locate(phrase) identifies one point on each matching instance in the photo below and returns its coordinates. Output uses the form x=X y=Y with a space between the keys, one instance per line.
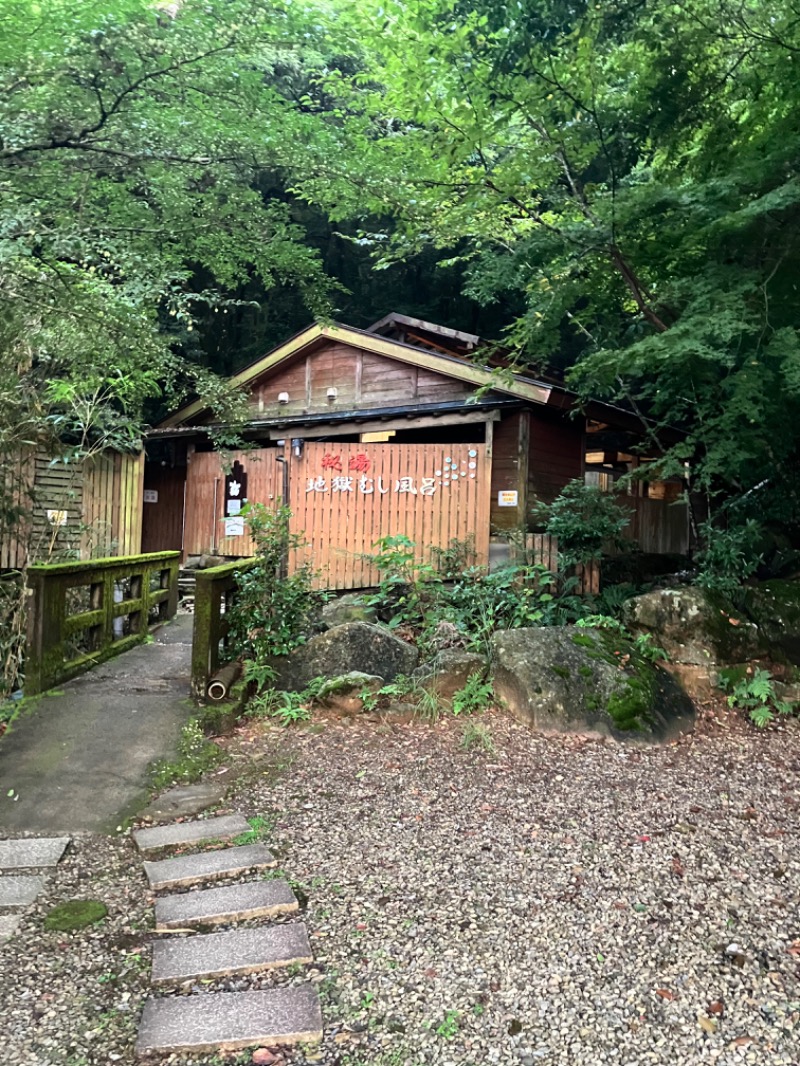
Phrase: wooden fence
x=83 y=510
x=82 y=613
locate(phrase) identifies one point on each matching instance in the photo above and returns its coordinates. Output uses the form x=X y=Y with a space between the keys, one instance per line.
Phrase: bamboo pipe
x=223 y=681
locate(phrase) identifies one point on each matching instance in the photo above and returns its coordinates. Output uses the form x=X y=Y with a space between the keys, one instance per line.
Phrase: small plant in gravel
x=196 y=755
x=477 y=737
x=474 y=697
x=448 y=1028
x=260 y=828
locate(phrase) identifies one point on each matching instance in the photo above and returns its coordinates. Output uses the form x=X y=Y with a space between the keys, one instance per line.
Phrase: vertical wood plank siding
x=556 y=456
x=162 y=521
x=204 y=529
x=101 y=498
x=340 y=528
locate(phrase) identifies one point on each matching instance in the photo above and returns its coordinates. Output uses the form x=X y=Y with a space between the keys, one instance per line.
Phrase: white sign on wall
x=507 y=498
x=234 y=527
x=57 y=518
x=151 y=495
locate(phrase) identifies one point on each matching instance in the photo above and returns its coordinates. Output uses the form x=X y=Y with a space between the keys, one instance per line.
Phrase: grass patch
x=196 y=755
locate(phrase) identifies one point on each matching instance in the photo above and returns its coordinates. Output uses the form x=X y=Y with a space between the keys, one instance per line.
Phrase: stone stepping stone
x=20 y=891
x=8 y=925
x=189 y=869
x=32 y=853
x=210 y=906
x=230 y=1020
x=238 y=951
x=164 y=836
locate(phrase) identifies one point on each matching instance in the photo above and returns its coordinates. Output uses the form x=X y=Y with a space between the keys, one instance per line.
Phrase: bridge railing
x=215 y=592
x=82 y=613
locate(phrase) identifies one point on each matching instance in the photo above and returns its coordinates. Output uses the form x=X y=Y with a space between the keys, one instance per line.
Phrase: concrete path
x=78 y=759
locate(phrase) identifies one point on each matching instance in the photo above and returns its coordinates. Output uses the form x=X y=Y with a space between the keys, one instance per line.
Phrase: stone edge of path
x=224 y=827
x=230 y=1021
x=208 y=865
x=231 y=903
x=32 y=853
x=232 y=953
x=25 y=887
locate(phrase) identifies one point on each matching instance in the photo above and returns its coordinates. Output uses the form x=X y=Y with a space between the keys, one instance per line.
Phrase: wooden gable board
x=331 y=337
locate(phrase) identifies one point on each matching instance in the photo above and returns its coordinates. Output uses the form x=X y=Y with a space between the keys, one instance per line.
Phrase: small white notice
x=57 y=518
x=507 y=498
x=234 y=527
x=234 y=506
x=151 y=495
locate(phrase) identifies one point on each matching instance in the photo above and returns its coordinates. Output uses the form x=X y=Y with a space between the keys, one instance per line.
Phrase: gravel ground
x=555 y=901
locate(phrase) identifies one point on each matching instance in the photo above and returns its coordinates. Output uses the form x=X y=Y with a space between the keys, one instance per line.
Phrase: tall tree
x=133 y=135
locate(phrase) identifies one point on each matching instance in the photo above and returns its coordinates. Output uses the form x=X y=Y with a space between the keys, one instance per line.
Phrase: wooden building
x=369 y=433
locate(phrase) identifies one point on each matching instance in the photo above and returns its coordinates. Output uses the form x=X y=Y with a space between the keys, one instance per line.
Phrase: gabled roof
x=316 y=336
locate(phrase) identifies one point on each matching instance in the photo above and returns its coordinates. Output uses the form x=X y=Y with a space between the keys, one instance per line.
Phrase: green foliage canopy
x=630 y=171
x=133 y=133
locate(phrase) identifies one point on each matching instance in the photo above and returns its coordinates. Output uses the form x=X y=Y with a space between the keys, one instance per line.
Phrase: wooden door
x=345 y=497
x=162 y=510
x=206 y=522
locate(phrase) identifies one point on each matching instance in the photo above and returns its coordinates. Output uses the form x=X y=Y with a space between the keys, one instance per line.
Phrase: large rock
x=449 y=671
x=693 y=626
x=352 y=607
x=775 y=608
x=566 y=679
x=352 y=647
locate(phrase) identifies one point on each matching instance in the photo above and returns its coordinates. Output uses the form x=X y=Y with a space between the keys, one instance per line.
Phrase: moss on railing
x=62 y=642
x=215 y=591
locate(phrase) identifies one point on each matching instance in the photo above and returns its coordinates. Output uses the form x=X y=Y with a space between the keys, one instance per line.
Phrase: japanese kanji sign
x=360 y=482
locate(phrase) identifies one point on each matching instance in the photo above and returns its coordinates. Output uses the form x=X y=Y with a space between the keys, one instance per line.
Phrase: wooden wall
x=100 y=500
x=16 y=489
x=205 y=490
x=361 y=379
x=555 y=455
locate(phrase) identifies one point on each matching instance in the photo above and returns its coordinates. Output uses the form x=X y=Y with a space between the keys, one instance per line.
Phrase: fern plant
x=756 y=695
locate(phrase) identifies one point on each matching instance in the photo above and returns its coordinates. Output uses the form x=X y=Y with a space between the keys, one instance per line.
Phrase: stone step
x=19 y=891
x=238 y=951
x=229 y=1021
x=31 y=853
x=164 y=836
x=208 y=865
x=211 y=906
x=8 y=925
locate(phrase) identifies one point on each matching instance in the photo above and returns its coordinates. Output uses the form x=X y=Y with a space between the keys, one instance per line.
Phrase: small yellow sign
x=507 y=498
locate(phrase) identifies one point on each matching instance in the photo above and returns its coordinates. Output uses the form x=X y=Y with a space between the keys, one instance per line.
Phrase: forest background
x=608 y=190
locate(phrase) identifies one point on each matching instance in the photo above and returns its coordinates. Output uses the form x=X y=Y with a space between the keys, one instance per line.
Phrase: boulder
x=345 y=694
x=352 y=607
x=774 y=606
x=568 y=679
x=449 y=671
x=693 y=626
x=354 y=646
x=208 y=561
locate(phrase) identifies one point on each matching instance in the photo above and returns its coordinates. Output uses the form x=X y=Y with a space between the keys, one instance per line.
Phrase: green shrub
x=273 y=611
x=584 y=520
